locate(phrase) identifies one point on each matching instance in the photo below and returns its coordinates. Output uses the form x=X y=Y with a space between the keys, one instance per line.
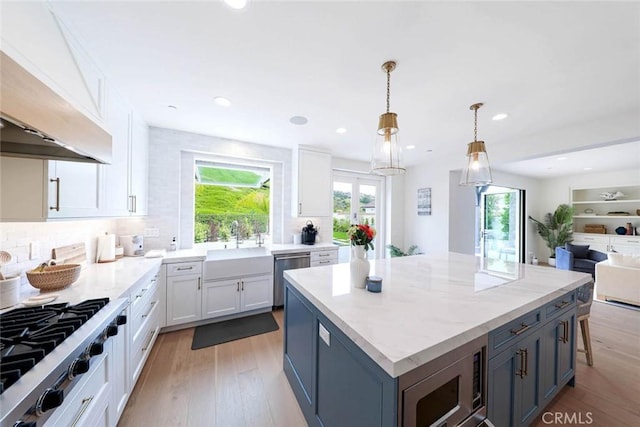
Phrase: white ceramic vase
x=359 y=267
x=552 y=262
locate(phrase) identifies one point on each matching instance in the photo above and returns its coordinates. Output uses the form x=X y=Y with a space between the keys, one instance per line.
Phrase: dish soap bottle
x=173 y=246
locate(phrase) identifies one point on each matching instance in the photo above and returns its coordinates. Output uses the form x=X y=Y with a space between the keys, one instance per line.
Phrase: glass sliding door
x=357 y=199
x=500 y=224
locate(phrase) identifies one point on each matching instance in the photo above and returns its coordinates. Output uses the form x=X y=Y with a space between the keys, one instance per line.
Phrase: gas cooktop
x=27 y=335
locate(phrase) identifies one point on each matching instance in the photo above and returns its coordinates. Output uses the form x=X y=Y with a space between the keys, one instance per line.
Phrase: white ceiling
x=547 y=64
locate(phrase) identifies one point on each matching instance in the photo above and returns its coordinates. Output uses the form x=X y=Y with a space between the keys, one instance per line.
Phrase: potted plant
x=556 y=229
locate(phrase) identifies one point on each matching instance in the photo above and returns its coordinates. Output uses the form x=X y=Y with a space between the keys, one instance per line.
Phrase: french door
x=357 y=199
x=500 y=224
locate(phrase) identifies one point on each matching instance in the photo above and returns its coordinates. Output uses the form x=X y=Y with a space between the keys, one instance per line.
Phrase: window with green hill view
x=225 y=193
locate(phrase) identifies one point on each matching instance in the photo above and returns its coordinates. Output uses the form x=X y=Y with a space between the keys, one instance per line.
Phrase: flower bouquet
x=362 y=235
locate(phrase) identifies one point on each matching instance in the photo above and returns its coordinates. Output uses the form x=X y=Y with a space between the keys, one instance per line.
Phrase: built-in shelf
x=589 y=199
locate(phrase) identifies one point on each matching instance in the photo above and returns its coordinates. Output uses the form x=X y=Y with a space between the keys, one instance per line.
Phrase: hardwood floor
x=241 y=383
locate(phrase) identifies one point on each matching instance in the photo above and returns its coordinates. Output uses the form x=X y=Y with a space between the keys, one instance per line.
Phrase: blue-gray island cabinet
x=437 y=347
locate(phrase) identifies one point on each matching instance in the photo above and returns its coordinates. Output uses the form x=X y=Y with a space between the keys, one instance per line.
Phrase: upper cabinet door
x=312 y=196
x=74 y=189
x=139 y=166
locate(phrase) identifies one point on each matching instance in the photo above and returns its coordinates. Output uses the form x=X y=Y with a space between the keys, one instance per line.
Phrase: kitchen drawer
x=184 y=268
x=559 y=305
x=149 y=302
x=579 y=239
x=143 y=342
x=142 y=295
x=626 y=240
x=504 y=335
x=324 y=255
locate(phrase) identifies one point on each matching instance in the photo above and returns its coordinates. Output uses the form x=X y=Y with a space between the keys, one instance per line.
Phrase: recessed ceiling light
x=410 y=147
x=587 y=168
x=236 y=4
x=298 y=120
x=221 y=101
x=341 y=130
x=561 y=158
x=500 y=116
x=172 y=107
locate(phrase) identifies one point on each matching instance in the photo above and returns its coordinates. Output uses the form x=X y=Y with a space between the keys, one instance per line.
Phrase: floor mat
x=234 y=329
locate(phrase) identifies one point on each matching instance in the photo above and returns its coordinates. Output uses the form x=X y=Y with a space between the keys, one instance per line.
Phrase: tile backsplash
x=17 y=239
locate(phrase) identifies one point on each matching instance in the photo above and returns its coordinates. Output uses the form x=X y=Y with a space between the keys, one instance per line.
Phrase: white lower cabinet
x=184 y=292
x=229 y=296
x=324 y=257
x=628 y=245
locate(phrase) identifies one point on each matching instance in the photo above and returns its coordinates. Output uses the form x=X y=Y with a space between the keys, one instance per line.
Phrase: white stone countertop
x=429 y=304
x=100 y=280
x=200 y=254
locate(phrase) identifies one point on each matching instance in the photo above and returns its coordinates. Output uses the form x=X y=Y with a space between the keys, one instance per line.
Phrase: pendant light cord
x=475 y=126
x=388 y=88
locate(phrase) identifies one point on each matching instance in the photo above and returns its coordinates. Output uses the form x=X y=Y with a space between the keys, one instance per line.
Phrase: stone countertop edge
x=100 y=280
x=405 y=361
x=200 y=254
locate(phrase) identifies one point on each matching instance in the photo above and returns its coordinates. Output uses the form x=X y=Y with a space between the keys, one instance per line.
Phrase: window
x=231 y=202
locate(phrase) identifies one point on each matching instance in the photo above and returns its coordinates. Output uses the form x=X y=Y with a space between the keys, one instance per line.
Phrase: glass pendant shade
x=387 y=153
x=476 y=169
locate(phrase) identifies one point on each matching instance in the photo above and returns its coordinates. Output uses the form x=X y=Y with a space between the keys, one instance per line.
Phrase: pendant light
x=476 y=168
x=387 y=153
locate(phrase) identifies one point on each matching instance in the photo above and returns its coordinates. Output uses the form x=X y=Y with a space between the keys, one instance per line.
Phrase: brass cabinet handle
x=565 y=331
x=526 y=360
x=523 y=328
x=520 y=372
x=562 y=304
x=57 y=206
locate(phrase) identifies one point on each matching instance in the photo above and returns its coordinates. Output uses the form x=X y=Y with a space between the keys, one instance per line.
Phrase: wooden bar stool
x=585 y=298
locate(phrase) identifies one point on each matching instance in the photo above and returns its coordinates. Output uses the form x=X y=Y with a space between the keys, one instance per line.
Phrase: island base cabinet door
x=348 y=394
x=567 y=347
x=558 y=357
x=513 y=381
x=183 y=299
x=220 y=298
x=299 y=349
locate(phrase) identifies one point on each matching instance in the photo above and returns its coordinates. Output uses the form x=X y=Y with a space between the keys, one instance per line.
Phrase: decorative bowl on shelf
x=53 y=278
x=609 y=196
x=621 y=231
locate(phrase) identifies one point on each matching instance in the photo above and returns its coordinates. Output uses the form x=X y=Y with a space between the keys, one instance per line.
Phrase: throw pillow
x=578 y=251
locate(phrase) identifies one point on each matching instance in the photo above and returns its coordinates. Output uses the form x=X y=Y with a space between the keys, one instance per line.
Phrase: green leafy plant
x=397 y=252
x=557 y=228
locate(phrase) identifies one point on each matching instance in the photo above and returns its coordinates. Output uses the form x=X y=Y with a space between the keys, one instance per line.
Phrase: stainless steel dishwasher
x=286 y=262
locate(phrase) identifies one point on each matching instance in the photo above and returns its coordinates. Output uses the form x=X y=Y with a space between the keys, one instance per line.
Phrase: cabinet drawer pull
x=242 y=285
x=85 y=404
x=57 y=206
x=148 y=343
x=324 y=254
x=184 y=268
x=237 y=286
x=150 y=310
x=199 y=285
x=562 y=304
x=325 y=262
x=299 y=208
x=523 y=327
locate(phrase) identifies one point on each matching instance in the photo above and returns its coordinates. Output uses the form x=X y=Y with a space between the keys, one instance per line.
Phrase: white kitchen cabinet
x=324 y=257
x=38 y=190
x=184 y=292
x=126 y=178
x=229 y=296
x=628 y=245
x=311 y=183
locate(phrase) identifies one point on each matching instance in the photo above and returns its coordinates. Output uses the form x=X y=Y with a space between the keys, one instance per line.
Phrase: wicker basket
x=55 y=277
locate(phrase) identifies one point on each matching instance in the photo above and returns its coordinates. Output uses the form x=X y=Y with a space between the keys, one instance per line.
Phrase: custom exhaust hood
x=36 y=122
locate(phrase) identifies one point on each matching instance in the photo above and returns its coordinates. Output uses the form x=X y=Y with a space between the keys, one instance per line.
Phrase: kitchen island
x=350 y=355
